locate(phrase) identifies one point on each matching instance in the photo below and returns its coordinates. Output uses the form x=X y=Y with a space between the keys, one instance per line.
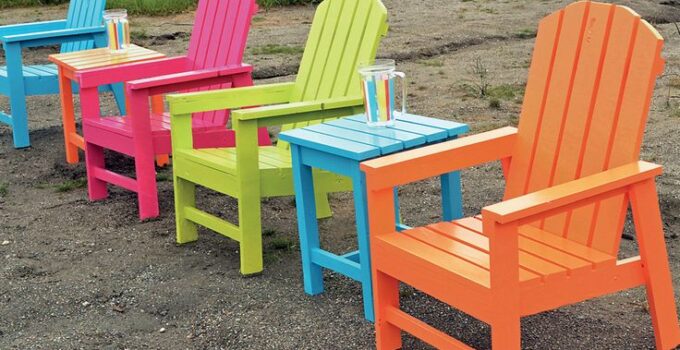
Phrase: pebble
x=162 y=330
x=85 y=304
x=6 y=242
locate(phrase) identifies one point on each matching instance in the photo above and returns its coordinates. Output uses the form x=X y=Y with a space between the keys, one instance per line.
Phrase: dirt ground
x=81 y=275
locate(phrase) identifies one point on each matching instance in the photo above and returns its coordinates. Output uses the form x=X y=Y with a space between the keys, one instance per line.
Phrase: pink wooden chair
x=214 y=61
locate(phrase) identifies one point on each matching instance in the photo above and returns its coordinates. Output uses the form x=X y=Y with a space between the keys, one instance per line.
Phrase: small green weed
x=275 y=49
x=71 y=185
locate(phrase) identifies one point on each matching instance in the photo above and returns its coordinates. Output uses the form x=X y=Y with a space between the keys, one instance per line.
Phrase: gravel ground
x=87 y=275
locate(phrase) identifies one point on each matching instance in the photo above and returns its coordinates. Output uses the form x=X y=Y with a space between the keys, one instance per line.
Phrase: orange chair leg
x=386 y=295
x=162 y=160
x=158 y=107
x=506 y=333
x=649 y=229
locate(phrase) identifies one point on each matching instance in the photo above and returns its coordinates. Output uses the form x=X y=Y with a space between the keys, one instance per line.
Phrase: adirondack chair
x=343 y=34
x=571 y=171
x=214 y=60
x=82 y=29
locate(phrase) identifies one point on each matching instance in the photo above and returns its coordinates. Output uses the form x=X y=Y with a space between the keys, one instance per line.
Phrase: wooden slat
x=530 y=264
x=540 y=74
x=607 y=107
x=579 y=111
x=558 y=96
x=212 y=222
x=535 y=248
x=343 y=34
x=422 y=330
x=337 y=51
x=637 y=97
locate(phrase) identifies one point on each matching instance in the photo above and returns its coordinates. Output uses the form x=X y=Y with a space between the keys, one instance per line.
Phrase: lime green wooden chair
x=344 y=34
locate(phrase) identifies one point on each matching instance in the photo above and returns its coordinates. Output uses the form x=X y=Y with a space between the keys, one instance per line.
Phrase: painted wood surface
x=323 y=89
x=81 y=30
x=214 y=60
x=339 y=146
x=572 y=170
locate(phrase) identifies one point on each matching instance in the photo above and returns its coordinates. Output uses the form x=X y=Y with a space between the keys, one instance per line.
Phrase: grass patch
x=526 y=33
x=505 y=91
x=275 y=49
x=432 y=63
x=162 y=177
x=282 y=243
x=495 y=103
x=269 y=232
x=4 y=189
x=71 y=185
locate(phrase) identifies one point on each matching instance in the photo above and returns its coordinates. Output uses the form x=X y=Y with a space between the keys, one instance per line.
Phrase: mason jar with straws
x=118 y=29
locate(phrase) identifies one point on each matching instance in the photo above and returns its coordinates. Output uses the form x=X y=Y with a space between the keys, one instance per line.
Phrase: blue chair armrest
x=24 y=28
x=53 y=37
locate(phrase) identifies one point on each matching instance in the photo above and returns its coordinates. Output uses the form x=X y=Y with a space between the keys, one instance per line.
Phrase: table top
x=352 y=138
x=98 y=58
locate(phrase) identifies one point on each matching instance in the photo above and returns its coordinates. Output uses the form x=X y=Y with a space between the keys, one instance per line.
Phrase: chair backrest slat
x=586 y=104
x=344 y=34
x=219 y=38
x=81 y=14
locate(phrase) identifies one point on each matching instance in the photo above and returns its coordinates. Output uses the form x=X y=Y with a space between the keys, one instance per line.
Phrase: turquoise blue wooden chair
x=82 y=29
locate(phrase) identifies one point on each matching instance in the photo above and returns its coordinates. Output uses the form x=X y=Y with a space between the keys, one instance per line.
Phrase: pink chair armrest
x=189 y=76
x=132 y=71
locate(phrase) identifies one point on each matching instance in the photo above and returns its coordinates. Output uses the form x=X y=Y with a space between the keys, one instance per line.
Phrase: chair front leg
x=249 y=206
x=147 y=191
x=245 y=80
x=17 y=96
x=94 y=154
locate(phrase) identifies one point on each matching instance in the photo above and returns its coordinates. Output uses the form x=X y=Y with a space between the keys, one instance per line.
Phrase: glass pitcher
x=378 y=81
x=118 y=29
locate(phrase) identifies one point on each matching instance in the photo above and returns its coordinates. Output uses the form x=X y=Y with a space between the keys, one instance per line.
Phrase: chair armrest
x=234 y=98
x=299 y=111
x=132 y=71
x=189 y=76
x=543 y=203
x=422 y=163
x=53 y=36
x=24 y=28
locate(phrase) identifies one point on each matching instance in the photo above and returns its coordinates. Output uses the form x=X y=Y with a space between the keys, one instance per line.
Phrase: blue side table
x=340 y=146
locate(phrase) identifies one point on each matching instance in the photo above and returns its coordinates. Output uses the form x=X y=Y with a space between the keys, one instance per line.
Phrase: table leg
x=452 y=198
x=361 y=209
x=68 y=116
x=307 y=224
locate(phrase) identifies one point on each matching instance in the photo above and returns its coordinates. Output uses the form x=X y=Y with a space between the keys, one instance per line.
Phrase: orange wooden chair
x=571 y=169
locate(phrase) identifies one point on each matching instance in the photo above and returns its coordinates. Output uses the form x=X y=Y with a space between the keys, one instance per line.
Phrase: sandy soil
x=87 y=275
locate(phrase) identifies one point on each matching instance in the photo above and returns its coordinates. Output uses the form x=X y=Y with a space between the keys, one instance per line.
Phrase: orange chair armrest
x=544 y=203
x=422 y=163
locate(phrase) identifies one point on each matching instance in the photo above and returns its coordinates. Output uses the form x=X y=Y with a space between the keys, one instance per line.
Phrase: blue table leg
x=361 y=208
x=307 y=224
x=452 y=198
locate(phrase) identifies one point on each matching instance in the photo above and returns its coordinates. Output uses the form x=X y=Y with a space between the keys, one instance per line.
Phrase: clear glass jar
x=118 y=29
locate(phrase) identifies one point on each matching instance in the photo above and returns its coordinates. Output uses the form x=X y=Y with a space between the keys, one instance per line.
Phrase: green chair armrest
x=234 y=98
x=300 y=111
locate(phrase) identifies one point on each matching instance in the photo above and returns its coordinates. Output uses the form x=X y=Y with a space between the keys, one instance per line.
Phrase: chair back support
x=82 y=14
x=344 y=34
x=587 y=99
x=219 y=38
